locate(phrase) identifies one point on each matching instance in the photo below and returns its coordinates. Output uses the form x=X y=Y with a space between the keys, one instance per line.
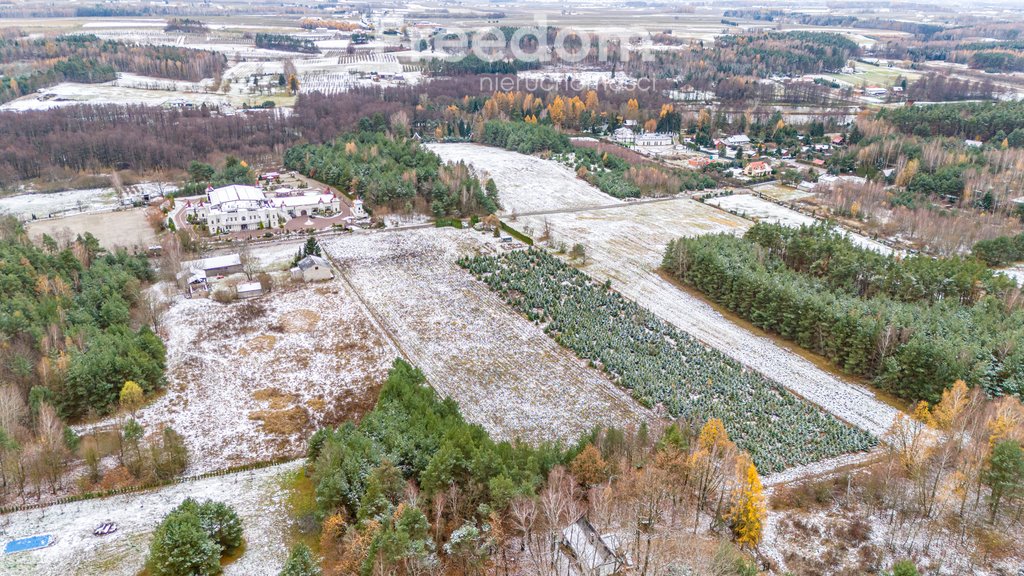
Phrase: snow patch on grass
x=526 y=183
x=256 y=495
x=251 y=380
x=506 y=374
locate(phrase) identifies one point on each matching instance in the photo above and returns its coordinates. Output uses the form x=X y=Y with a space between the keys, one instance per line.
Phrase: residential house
x=292 y=205
x=757 y=169
x=737 y=140
x=589 y=553
x=698 y=163
x=623 y=135
x=238 y=207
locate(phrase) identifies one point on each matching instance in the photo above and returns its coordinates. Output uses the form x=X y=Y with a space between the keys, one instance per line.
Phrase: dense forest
x=85 y=58
x=69 y=315
x=974 y=120
x=913 y=325
x=286 y=43
x=1000 y=251
x=935 y=87
x=472 y=64
x=394 y=171
x=55 y=144
x=414 y=489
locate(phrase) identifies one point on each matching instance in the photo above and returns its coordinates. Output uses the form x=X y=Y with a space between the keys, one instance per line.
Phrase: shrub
x=300 y=562
x=191 y=539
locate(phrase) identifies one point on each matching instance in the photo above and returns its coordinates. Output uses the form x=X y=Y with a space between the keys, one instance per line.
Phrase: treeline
x=472 y=64
x=974 y=120
x=286 y=42
x=792 y=52
x=85 y=58
x=620 y=178
x=394 y=170
x=1000 y=251
x=414 y=489
x=69 y=317
x=188 y=25
x=610 y=173
x=935 y=87
x=524 y=137
x=361 y=471
x=994 y=62
x=911 y=325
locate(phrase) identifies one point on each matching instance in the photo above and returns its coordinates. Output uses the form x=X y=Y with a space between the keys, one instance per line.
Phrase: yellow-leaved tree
x=556 y=111
x=632 y=109
x=746 y=517
x=130 y=398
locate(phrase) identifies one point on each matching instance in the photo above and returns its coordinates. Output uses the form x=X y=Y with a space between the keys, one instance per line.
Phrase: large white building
x=237 y=207
x=654 y=139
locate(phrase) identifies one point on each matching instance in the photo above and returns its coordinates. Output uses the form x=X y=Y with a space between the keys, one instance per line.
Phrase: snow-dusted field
x=257 y=496
x=25 y=206
x=505 y=372
x=764 y=211
x=113 y=229
x=526 y=183
x=782 y=193
x=251 y=380
x=113 y=92
x=625 y=245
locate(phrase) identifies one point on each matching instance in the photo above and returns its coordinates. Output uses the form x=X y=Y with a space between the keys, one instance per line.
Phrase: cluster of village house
x=239 y=207
x=202 y=275
x=660 y=143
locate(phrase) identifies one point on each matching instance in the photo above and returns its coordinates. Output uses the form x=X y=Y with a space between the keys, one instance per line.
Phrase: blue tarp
x=26 y=544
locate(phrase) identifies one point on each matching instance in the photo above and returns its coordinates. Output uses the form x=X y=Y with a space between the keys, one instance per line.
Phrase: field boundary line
x=149 y=486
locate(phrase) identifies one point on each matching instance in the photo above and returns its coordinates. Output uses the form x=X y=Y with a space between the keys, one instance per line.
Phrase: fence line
x=148 y=486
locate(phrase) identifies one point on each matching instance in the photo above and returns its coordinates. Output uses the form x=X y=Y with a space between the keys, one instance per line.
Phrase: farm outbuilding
x=221 y=265
x=249 y=290
x=312 y=269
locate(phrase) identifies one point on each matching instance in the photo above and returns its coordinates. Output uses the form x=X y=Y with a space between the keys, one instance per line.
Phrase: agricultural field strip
x=526 y=184
x=762 y=210
x=256 y=495
x=660 y=364
x=626 y=246
x=306 y=346
x=506 y=374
